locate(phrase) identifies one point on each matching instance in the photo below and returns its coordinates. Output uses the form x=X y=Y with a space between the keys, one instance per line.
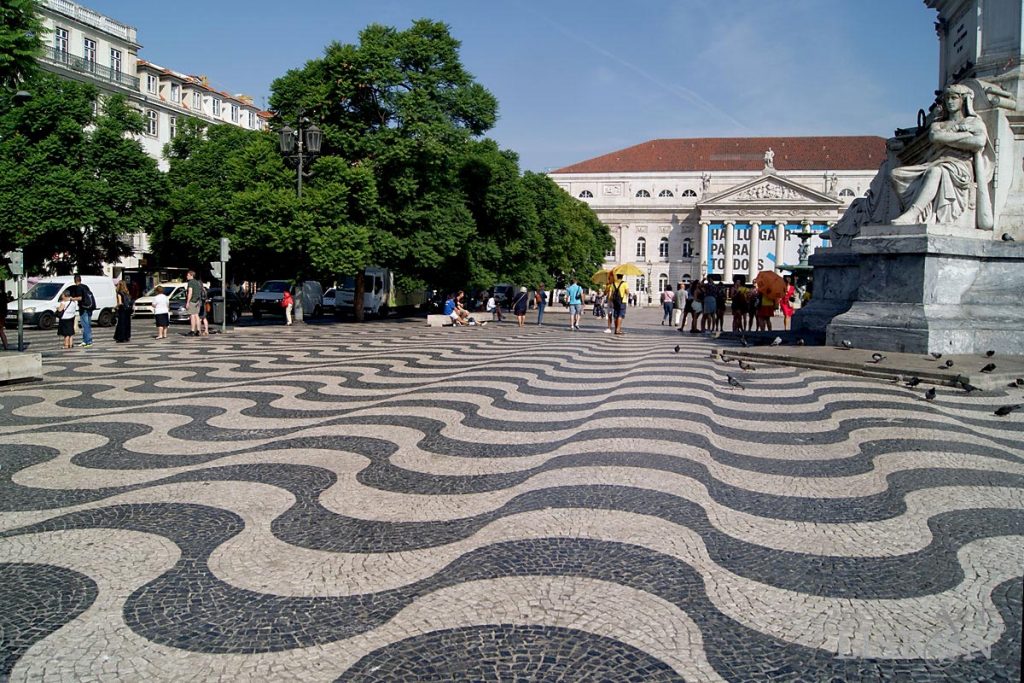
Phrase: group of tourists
x=705 y=302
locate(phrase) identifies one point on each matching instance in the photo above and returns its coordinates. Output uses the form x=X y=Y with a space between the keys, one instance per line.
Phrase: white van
x=380 y=295
x=143 y=306
x=39 y=304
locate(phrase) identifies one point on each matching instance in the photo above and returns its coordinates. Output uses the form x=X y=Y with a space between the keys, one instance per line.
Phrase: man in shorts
x=193 y=299
x=574 y=293
x=620 y=297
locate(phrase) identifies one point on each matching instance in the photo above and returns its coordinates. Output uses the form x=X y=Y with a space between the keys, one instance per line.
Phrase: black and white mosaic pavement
x=389 y=502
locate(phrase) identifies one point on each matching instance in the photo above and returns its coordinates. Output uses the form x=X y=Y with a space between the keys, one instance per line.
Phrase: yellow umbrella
x=600 y=277
x=627 y=269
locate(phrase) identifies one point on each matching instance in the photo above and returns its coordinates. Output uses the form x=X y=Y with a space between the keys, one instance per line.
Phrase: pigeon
x=677 y=348
x=800 y=342
x=877 y=358
x=747 y=366
x=846 y=344
x=965 y=385
x=913 y=381
x=989 y=354
x=948 y=363
x=726 y=359
x=936 y=356
x=733 y=382
x=744 y=343
x=777 y=341
x=1019 y=382
x=1007 y=237
x=930 y=394
x=1003 y=411
x=989 y=368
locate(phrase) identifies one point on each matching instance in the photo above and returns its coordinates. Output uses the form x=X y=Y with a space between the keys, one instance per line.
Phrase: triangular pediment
x=769 y=189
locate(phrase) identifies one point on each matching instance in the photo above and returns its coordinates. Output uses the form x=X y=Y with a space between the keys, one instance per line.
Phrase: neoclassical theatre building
x=678 y=207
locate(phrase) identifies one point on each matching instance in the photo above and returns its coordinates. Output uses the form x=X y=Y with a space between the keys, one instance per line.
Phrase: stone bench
x=16 y=367
x=441 y=320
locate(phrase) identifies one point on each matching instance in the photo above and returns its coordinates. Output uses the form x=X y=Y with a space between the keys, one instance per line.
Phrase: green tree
x=401 y=104
x=231 y=182
x=21 y=41
x=73 y=184
x=573 y=240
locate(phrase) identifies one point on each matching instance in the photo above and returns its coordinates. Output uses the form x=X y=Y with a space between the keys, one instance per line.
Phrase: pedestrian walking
x=161 y=312
x=123 y=331
x=540 y=297
x=67 y=309
x=85 y=304
x=668 y=299
x=287 y=302
x=574 y=295
x=204 y=311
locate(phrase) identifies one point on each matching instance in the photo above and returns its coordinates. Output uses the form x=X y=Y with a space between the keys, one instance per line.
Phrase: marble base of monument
x=925 y=288
x=836 y=278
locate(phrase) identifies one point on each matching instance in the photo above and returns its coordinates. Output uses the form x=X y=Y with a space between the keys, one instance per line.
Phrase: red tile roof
x=840 y=153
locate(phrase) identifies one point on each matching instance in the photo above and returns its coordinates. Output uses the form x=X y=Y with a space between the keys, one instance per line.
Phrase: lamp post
x=650 y=270
x=301 y=145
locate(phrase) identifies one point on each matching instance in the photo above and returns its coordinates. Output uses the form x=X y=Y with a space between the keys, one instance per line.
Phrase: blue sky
x=578 y=79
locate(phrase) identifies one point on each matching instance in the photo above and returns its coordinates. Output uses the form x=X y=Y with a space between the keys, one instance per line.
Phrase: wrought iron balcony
x=81 y=65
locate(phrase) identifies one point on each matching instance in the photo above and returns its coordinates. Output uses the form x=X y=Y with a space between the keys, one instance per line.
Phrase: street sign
x=215 y=270
x=17 y=260
x=224 y=255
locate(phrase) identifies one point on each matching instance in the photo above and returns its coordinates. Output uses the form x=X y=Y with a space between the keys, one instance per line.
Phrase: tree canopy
x=21 y=41
x=73 y=182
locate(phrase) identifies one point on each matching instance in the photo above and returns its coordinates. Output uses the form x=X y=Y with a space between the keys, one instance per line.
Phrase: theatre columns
x=780 y=244
x=730 y=239
x=702 y=249
x=755 y=249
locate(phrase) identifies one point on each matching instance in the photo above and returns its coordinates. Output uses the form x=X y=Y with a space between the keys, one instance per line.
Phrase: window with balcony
x=60 y=43
x=216 y=106
x=586 y=194
x=152 y=122
x=234 y=113
x=176 y=93
x=89 y=53
x=663 y=248
x=641 y=247
x=152 y=83
x=687 y=247
x=643 y=193
x=666 y=193
x=115 y=61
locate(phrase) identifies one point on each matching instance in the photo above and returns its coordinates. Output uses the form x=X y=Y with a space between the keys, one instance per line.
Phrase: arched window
x=641 y=247
x=687 y=247
x=846 y=192
x=662 y=282
x=586 y=194
x=663 y=247
x=643 y=193
x=641 y=284
x=689 y=193
x=666 y=193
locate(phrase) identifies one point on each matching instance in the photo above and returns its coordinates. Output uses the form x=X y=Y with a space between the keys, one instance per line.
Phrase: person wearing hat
x=519 y=306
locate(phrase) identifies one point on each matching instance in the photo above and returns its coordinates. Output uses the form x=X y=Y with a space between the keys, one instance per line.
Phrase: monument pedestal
x=836 y=278
x=922 y=289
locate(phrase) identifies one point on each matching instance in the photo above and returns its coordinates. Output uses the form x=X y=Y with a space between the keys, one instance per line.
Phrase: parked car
x=329 y=300
x=143 y=307
x=39 y=304
x=267 y=300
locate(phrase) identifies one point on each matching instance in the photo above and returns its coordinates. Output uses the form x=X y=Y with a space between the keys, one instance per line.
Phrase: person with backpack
x=620 y=295
x=574 y=294
x=86 y=302
x=123 y=331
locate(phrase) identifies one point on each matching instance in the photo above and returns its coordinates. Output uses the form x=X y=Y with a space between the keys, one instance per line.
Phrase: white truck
x=380 y=295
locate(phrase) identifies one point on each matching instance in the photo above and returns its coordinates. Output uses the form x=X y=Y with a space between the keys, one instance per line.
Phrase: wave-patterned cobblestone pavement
x=385 y=503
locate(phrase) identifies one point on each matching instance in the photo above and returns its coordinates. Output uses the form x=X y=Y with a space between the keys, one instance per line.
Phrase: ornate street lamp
x=300 y=145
